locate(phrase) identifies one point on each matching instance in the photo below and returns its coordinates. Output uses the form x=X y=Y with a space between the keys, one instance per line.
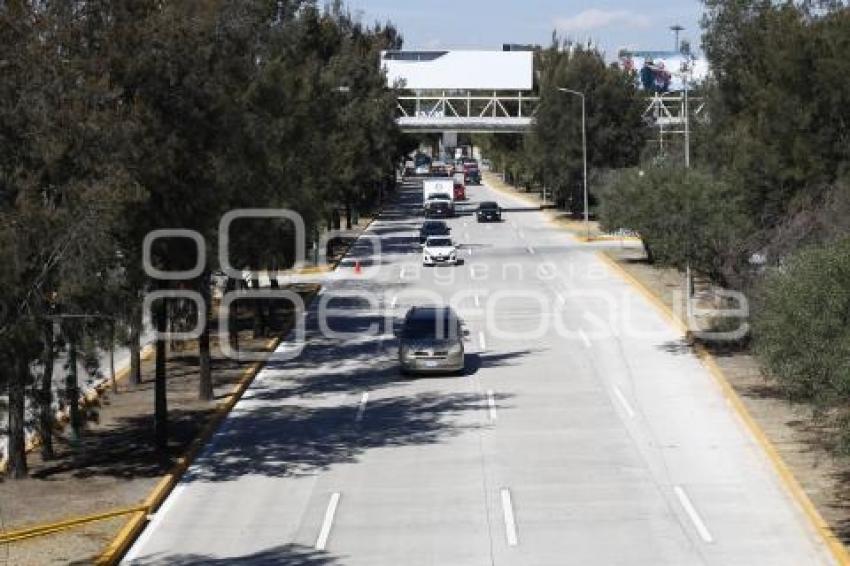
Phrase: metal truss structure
x=666 y=113
x=468 y=112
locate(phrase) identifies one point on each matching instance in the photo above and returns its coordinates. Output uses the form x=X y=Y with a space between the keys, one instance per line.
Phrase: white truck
x=438 y=197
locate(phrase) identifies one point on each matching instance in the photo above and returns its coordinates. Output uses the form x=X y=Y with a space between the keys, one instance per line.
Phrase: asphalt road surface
x=583 y=431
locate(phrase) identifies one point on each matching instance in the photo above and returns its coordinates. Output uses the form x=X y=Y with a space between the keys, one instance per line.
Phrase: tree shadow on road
x=289 y=440
x=283 y=555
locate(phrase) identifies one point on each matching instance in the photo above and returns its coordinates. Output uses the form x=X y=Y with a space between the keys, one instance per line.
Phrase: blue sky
x=635 y=24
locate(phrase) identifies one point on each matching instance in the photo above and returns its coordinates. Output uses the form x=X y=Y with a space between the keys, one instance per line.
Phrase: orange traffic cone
x=357 y=269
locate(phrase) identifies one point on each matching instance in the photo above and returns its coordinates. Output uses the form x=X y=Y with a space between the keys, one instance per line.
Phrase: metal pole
x=687 y=126
x=584 y=151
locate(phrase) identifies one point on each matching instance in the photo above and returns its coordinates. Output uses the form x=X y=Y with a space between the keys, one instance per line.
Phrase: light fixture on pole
x=676 y=29
x=584 y=154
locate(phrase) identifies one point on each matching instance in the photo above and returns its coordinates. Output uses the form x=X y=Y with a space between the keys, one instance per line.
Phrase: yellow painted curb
x=39 y=530
x=127 y=535
x=792 y=485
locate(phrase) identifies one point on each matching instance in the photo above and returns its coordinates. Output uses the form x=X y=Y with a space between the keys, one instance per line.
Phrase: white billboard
x=459 y=70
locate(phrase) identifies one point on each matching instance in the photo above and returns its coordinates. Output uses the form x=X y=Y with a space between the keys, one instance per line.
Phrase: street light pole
x=584 y=155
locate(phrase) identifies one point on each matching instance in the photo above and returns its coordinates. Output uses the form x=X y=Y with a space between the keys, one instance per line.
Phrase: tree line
x=121 y=118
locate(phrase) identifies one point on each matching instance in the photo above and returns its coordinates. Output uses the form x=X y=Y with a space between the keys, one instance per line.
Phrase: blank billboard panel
x=459 y=70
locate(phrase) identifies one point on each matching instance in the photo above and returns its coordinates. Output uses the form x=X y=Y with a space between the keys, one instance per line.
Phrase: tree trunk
x=650 y=258
x=17 y=456
x=112 y=357
x=45 y=396
x=348 y=216
x=160 y=394
x=136 y=347
x=72 y=390
x=205 y=384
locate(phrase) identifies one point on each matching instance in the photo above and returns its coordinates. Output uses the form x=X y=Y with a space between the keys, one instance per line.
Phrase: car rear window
x=439 y=326
x=488 y=205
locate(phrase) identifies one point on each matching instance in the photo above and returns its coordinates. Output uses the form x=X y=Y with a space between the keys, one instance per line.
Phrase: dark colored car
x=439 y=209
x=488 y=211
x=471 y=174
x=433 y=228
x=431 y=340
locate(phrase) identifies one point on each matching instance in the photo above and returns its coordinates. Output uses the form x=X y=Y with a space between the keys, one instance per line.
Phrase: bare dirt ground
x=802 y=441
x=114 y=465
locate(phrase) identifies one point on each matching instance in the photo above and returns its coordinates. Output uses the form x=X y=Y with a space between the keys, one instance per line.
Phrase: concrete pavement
x=584 y=431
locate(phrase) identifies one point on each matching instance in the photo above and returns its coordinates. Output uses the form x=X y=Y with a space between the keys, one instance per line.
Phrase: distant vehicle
x=459 y=191
x=440 y=169
x=437 y=198
x=471 y=174
x=488 y=211
x=431 y=340
x=439 y=250
x=433 y=228
x=486 y=165
x=422 y=164
x=409 y=168
x=440 y=206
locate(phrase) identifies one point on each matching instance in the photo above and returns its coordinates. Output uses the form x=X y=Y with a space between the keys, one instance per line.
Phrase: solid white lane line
x=482 y=341
x=692 y=514
x=510 y=522
x=584 y=338
x=624 y=402
x=362 y=407
x=491 y=403
x=322 y=541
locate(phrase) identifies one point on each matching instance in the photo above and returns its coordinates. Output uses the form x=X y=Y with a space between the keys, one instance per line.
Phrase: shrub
x=682 y=215
x=802 y=328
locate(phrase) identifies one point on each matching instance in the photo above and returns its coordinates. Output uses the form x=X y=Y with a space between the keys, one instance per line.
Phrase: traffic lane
x=561 y=434
x=407 y=489
x=262 y=464
x=697 y=443
x=319 y=393
x=690 y=459
x=693 y=437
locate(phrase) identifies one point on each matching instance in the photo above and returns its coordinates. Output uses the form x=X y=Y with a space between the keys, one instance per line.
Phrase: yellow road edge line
x=127 y=535
x=789 y=481
x=39 y=530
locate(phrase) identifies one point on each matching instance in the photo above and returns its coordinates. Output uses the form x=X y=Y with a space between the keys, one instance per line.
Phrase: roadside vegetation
x=764 y=206
x=120 y=118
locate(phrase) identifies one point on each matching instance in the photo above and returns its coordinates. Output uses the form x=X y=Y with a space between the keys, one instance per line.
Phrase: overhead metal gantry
x=462 y=91
x=466 y=112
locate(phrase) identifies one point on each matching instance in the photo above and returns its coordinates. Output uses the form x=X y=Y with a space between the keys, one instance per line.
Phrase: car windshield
x=431 y=326
x=439 y=242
